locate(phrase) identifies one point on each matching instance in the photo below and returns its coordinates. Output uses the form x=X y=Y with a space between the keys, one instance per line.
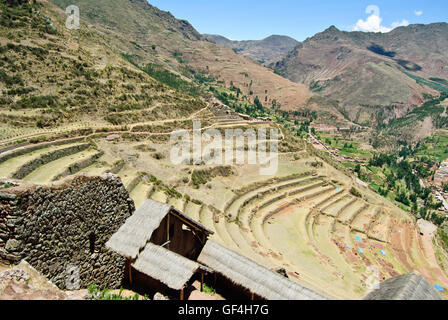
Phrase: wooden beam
x=168 y=232
x=253 y=297
x=202 y=281
x=182 y=295
x=188 y=223
x=130 y=271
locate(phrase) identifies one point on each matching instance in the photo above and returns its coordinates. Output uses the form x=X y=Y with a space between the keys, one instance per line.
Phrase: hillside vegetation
x=151 y=36
x=133 y=74
x=381 y=74
x=53 y=78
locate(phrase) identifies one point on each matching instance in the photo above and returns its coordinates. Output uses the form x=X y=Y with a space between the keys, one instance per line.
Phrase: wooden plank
x=129 y=261
x=202 y=281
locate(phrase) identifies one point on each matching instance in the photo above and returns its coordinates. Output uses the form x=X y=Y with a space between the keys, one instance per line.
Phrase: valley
x=362 y=137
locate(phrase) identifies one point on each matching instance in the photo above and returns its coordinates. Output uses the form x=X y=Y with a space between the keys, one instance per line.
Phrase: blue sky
x=257 y=19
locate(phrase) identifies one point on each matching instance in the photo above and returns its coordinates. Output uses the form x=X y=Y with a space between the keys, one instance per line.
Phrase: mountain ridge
x=148 y=39
x=266 y=51
x=370 y=69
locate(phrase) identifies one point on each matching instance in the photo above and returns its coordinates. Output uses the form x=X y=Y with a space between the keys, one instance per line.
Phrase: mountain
x=54 y=78
x=132 y=15
x=266 y=51
x=132 y=74
x=150 y=37
x=362 y=70
x=344 y=76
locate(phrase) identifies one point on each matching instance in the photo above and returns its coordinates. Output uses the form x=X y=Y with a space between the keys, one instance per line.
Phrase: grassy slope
x=153 y=36
x=53 y=77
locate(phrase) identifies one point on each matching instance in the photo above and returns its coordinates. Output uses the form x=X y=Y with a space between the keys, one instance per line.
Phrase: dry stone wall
x=29 y=167
x=78 y=166
x=19 y=150
x=62 y=230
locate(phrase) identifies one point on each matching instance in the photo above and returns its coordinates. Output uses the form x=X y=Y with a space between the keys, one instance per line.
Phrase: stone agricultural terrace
x=304 y=220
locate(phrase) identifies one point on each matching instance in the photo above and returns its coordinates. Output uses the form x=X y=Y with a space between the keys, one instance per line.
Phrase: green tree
x=258 y=103
x=403 y=198
x=358 y=169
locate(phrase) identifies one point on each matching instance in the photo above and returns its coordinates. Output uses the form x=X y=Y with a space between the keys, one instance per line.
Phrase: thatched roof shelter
x=405 y=287
x=166 y=266
x=249 y=274
x=133 y=236
x=138 y=229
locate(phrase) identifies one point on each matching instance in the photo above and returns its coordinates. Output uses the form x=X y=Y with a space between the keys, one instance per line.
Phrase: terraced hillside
x=154 y=38
x=56 y=81
x=304 y=219
x=321 y=235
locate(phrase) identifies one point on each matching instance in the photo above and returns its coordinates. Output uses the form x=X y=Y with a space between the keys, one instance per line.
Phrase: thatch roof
x=405 y=287
x=248 y=274
x=136 y=232
x=133 y=236
x=166 y=266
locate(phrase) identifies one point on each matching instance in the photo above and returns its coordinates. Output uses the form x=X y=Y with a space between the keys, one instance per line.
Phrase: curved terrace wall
x=78 y=166
x=16 y=151
x=29 y=167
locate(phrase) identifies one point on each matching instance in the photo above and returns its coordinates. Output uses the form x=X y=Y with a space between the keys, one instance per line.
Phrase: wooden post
x=130 y=271
x=168 y=231
x=182 y=295
x=253 y=297
x=202 y=281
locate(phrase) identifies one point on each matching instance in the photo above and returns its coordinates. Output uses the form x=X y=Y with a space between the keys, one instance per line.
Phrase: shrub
x=95 y=294
x=158 y=156
x=10 y=80
x=355 y=192
x=36 y=102
x=403 y=198
x=443 y=236
x=20 y=91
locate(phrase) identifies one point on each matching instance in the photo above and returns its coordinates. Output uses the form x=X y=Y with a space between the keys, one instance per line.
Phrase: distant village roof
x=166 y=266
x=137 y=231
x=405 y=287
x=133 y=236
x=249 y=274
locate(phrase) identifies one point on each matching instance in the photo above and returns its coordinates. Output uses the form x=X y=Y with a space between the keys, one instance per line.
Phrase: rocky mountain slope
x=364 y=70
x=140 y=73
x=52 y=77
x=131 y=62
x=150 y=36
x=269 y=50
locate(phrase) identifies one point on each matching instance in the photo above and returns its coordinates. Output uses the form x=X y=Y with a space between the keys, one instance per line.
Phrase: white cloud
x=418 y=13
x=397 y=24
x=374 y=22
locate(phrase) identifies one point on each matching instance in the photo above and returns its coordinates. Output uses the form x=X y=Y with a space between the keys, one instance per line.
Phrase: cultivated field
x=303 y=219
